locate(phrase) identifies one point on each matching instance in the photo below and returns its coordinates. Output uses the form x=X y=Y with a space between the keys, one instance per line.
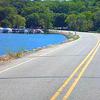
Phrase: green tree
x=45 y=20
x=97 y=20
x=5 y=23
x=80 y=22
x=59 y=20
x=32 y=20
x=82 y=15
x=19 y=21
x=71 y=20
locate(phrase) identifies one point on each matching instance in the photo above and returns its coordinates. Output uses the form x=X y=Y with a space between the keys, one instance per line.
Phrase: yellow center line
x=54 y=97
x=80 y=75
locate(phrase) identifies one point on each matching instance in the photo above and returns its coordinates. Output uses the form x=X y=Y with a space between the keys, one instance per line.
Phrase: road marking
x=80 y=75
x=54 y=97
x=57 y=48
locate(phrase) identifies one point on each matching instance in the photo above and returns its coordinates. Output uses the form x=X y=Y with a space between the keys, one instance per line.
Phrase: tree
x=32 y=20
x=81 y=15
x=80 y=22
x=6 y=11
x=71 y=20
x=59 y=20
x=19 y=21
x=89 y=20
x=45 y=20
x=5 y=23
x=97 y=20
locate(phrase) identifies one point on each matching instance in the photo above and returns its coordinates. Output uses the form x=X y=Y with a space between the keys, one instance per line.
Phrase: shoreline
x=12 y=56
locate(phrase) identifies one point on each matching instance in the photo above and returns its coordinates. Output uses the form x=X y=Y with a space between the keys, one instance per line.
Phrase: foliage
x=80 y=15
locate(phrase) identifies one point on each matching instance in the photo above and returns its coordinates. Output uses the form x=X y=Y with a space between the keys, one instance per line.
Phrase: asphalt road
x=38 y=76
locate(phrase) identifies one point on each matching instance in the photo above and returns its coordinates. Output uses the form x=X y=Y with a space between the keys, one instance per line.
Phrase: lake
x=21 y=42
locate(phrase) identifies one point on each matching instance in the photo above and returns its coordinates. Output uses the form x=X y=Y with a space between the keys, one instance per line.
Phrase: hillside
x=80 y=15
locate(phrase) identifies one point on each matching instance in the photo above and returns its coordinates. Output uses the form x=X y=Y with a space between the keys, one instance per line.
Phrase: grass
x=16 y=55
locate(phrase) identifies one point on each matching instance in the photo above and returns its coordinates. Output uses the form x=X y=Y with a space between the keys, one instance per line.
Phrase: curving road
x=39 y=76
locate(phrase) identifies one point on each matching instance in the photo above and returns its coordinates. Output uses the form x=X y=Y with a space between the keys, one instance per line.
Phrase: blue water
x=20 y=42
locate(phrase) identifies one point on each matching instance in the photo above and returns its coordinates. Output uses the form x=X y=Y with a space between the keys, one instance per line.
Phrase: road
x=52 y=74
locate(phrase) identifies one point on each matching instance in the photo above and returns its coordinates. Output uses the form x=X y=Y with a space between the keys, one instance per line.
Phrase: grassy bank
x=69 y=35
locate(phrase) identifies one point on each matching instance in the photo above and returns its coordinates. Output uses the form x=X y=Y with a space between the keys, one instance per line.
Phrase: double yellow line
x=82 y=67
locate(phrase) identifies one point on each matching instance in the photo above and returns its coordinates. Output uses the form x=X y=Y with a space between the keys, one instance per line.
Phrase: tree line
x=79 y=15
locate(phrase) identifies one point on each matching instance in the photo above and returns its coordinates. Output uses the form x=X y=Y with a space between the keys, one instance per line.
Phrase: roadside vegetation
x=72 y=37
x=16 y=55
x=78 y=15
